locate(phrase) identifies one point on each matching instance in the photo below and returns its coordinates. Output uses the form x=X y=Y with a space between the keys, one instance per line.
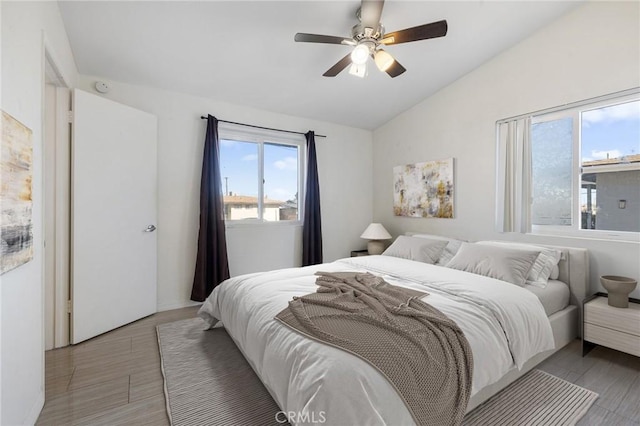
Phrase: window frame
x=574 y=112
x=237 y=133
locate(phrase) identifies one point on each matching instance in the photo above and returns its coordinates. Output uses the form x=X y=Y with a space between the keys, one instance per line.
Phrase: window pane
x=280 y=182
x=551 y=163
x=610 y=160
x=239 y=171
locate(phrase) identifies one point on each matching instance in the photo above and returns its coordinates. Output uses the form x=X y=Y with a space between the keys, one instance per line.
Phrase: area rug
x=209 y=382
x=538 y=398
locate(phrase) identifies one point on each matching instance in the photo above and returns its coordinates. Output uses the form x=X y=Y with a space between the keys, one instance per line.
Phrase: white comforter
x=504 y=324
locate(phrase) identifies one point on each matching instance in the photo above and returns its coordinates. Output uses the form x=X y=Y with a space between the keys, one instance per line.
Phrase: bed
x=306 y=376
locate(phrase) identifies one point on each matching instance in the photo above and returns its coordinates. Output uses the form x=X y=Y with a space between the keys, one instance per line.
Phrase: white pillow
x=543 y=266
x=418 y=249
x=505 y=264
x=555 y=273
x=449 y=251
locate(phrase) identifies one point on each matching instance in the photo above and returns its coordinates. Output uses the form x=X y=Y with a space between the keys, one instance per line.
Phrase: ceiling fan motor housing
x=359 y=33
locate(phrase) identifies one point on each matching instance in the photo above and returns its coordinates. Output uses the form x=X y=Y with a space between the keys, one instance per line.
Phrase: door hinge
x=69 y=306
x=70 y=116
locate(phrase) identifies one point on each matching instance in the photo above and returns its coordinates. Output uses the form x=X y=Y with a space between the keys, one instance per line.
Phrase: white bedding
x=505 y=325
x=554 y=297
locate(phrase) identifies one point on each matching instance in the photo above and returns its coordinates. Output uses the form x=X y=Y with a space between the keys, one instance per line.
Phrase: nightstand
x=615 y=328
x=356 y=253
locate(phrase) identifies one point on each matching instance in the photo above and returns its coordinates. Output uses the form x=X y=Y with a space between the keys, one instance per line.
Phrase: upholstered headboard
x=574 y=270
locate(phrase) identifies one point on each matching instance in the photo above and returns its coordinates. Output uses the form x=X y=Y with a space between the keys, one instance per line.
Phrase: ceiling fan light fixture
x=383 y=60
x=359 y=70
x=360 y=54
x=368 y=35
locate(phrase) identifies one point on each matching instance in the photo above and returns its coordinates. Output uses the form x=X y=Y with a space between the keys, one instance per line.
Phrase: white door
x=113 y=215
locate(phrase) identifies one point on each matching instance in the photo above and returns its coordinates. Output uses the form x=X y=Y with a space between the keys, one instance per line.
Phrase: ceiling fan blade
x=339 y=66
x=395 y=69
x=318 y=38
x=370 y=13
x=421 y=32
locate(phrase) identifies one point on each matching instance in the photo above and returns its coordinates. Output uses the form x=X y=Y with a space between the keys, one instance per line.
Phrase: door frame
x=62 y=202
x=63 y=217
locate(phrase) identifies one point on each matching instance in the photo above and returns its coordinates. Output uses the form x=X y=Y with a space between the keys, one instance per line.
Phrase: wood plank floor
x=112 y=379
x=614 y=375
x=115 y=379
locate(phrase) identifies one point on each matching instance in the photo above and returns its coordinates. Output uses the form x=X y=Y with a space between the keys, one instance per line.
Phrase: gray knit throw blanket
x=422 y=352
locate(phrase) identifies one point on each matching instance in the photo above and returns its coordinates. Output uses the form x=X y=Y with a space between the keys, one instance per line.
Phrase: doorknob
x=150 y=228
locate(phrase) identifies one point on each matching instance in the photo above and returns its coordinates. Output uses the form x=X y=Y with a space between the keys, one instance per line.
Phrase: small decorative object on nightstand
x=375 y=233
x=609 y=326
x=618 y=289
x=356 y=253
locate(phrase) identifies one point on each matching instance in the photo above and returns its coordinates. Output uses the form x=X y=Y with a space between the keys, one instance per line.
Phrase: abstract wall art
x=424 y=189
x=16 y=222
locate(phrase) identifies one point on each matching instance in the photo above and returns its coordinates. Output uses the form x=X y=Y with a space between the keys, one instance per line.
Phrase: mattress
x=554 y=297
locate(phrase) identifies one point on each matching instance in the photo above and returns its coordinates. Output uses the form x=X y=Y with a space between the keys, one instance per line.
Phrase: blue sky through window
x=239 y=164
x=280 y=171
x=239 y=167
x=612 y=131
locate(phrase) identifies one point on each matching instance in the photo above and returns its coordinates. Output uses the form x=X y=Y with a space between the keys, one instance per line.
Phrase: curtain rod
x=263 y=128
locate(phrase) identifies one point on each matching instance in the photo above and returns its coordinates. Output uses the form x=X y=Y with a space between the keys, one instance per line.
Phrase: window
x=610 y=166
x=579 y=167
x=261 y=175
x=551 y=154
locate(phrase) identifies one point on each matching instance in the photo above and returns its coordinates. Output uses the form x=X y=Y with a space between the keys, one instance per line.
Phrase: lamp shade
x=360 y=54
x=383 y=60
x=359 y=70
x=375 y=231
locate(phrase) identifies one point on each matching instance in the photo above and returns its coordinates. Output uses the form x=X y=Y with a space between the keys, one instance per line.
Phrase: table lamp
x=375 y=233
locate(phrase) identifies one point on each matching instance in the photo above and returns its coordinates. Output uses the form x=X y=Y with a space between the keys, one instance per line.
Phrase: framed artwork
x=16 y=222
x=424 y=189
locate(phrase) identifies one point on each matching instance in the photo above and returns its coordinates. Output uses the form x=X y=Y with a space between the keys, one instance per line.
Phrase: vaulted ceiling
x=243 y=52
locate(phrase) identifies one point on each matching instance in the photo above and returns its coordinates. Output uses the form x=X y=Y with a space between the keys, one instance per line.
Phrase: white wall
x=345 y=173
x=592 y=51
x=24 y=25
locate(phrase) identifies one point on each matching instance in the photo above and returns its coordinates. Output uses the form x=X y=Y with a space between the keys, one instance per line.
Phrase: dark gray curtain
x=312 y=228
x=212 y=266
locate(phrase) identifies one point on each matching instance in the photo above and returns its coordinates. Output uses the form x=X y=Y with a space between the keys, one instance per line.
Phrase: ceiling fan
x=368 y=37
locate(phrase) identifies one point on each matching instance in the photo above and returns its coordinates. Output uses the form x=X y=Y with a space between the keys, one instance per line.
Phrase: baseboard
x=177 y=305
x=35 y=410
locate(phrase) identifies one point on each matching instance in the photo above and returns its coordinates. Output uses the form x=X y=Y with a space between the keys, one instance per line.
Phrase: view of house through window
x=260 y=180
x=586 y=167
